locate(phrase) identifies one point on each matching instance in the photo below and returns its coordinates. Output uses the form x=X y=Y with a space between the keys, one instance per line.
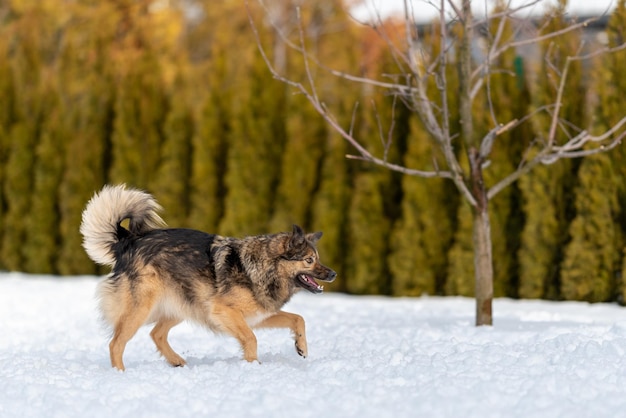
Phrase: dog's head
x=303 y=263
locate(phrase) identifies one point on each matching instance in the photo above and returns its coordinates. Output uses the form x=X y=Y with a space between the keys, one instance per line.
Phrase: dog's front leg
x=294 y=322
x=233 y=322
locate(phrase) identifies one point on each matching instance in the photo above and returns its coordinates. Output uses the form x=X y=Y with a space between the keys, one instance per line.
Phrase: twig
x=515 y=44
x=488 y=140
x=319 y=107
x=305 y=58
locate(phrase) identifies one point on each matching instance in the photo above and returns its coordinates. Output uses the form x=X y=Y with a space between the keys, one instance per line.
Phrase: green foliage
x=611 y=87
x=109 y=92
x=423 y=234
x=22 y=110
x=543 y=233
x=171 y=186
x=367 y=233
x=7 y=87
x=374 y=202
x=460 y=279
x=255 y=145
x=87 y=90
x=17 y=180
x=209 y=145
x=331 y=206
x=300 y=166
x=140 y=109
x=83 y=175
x=548 y=191
x=4 y=151
x=7 y=118
x=42 y=233
x=591 y=258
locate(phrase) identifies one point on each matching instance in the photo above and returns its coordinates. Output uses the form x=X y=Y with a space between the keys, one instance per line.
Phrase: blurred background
x=175 y=98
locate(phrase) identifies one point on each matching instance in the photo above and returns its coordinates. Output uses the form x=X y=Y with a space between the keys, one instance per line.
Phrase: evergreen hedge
x=97 y=92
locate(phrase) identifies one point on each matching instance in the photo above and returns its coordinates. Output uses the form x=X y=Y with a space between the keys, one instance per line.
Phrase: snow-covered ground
x=368 y=357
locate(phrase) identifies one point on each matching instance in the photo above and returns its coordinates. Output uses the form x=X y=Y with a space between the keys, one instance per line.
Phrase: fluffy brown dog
x=167 y=275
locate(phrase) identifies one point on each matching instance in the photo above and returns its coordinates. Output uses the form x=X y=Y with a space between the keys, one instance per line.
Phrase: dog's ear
x=297 y=231
x=297 y=241
x=314 y=237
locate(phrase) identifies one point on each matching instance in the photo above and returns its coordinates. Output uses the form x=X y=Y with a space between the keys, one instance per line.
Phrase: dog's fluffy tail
x=101 y=225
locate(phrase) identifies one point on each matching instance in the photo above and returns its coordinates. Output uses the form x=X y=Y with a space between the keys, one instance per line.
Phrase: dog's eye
x=309 y=260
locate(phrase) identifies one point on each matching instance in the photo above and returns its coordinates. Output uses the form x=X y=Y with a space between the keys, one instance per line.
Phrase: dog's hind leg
x=292 y=321
x=134 y=314
x=124 y=331
x=159 y=336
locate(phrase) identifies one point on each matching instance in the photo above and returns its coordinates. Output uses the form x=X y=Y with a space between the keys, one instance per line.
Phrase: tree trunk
x=483 y=259
x=483 y=265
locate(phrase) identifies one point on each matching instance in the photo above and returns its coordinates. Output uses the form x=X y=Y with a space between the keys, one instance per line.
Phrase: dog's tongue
x=310 y=284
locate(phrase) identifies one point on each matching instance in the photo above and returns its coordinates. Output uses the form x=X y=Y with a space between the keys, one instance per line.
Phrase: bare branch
x=476 y=89
x=488 y=140
x=436 y=116
x=364 y=80
x=511 y=178
x=550 y=64
x=600 y=51
x=402 y=169
x=443 y=35
x=379 y=124
x=514 y=44
x=391 y=129
x=457 y=12
x=460 y=180
x=380 y=28
x=365 y=155
x=300 y=49
x=508 y=12
x=305 y=58
x=558 y=104
x=555 y=34
x=353 y=120
x=574 y=148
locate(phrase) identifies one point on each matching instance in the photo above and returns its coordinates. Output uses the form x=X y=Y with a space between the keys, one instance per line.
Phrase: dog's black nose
x=331 y=276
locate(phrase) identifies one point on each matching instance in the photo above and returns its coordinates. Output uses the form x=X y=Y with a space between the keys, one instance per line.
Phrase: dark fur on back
x=166 y=275
x=220 y=263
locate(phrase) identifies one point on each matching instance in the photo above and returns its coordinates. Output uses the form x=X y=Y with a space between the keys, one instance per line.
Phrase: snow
x=368 y=357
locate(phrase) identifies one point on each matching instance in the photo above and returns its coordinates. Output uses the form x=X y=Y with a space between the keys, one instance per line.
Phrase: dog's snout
x=331 y=276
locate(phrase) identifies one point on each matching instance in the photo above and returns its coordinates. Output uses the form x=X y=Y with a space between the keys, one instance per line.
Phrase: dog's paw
x=301 y=351
x=251 y=359
x=178 y=363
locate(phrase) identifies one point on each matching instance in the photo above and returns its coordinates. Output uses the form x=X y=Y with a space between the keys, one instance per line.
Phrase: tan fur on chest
x=242 y=300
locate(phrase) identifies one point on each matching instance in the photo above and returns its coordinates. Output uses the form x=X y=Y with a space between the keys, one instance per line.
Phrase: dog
x=166 y=275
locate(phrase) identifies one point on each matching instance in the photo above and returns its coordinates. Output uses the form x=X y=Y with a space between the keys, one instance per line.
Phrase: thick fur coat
x=167 y=275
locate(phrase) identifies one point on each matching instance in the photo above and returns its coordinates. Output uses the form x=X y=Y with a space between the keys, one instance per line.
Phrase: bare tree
x=419 y=69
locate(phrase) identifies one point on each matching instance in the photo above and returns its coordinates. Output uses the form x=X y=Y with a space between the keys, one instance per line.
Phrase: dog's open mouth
x=309 y=283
